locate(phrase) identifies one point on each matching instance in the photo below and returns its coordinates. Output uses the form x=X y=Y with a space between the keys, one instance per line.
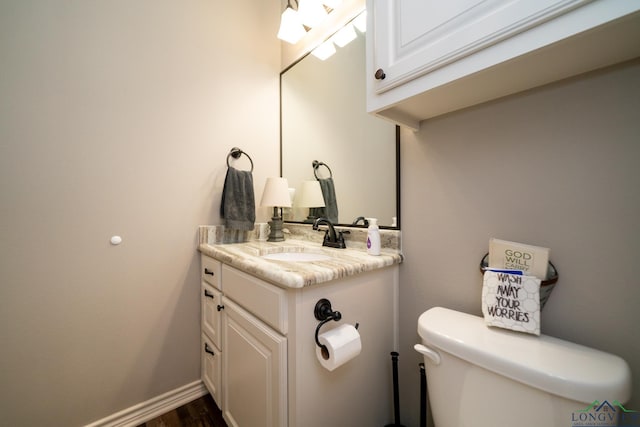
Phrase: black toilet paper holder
x=324 y=313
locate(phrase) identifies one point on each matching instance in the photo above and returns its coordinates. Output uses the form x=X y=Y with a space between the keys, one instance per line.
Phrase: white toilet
x=479 y=376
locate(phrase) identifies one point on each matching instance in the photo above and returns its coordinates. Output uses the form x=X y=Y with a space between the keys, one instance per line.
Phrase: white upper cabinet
x=427 y=57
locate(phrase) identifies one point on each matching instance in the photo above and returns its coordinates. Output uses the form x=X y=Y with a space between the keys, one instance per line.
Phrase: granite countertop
x=342 y=263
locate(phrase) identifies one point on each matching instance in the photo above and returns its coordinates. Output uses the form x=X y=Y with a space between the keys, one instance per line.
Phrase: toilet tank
x=490 y=377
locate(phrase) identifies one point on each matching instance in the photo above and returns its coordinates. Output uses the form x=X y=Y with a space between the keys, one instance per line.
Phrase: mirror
x=324 y=119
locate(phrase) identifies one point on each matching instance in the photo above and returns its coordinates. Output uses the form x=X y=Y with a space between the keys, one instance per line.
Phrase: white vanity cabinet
x=270 y=374
x=211 y=327
x=428 y=57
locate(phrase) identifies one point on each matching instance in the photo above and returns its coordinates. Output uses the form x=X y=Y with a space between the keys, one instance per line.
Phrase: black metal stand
x=396 y=393
x=423 y=396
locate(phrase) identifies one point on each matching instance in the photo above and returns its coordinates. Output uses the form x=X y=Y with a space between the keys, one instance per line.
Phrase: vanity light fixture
x=276 y=195
x=324 y=51
x=344 y=36
x=291 y=29
x=310 y=196
x=294 y=23
x=360 y=22
x=311 y=12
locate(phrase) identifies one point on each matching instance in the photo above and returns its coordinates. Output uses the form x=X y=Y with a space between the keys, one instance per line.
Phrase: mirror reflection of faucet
x=332 y=239
x=364 y=220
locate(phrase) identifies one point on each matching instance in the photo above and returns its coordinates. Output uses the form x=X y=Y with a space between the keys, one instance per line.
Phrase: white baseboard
x=145 y=411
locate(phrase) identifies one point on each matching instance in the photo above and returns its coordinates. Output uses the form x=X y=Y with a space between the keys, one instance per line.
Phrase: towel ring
x=236 y=153
x=316 y=164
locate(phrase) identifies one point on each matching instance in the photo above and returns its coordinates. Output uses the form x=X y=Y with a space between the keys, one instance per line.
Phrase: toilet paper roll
x=342 y=344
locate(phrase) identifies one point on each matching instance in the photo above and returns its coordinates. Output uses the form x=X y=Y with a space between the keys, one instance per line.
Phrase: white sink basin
x=296 y=256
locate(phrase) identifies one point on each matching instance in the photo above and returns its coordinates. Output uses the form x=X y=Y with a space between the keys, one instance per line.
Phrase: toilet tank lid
x=550 y=364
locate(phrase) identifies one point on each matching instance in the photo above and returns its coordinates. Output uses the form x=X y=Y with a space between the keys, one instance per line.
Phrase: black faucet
x=331 y=238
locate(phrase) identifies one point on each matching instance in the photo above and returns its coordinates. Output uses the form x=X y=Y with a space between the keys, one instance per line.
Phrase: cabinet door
x=426 y=57
x=211 y=299
x=416 y=37
x=254 y=371
x=211 y=359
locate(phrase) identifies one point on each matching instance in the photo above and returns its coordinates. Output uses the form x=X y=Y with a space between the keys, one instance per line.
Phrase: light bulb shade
x=291 y=29
x=276 y=193
x=310 y=195
x=311 y=12
x=360 y=22
x=344 y=36
x=324 y=51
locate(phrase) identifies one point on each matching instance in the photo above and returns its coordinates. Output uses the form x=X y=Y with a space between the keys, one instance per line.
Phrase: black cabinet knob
x=208 y=350
x=209 y=272
x=220 y=307
x=380 y=75
x=208 y=294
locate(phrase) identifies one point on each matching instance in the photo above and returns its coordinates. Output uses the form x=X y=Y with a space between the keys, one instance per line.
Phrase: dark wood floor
x=202 y=412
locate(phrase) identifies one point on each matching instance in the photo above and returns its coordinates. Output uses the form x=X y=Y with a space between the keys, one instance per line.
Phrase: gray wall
x=116 y=118
x=556 y=167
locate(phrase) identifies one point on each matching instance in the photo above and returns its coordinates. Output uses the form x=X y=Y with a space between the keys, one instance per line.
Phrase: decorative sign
x=531 y=260
x=511 y=301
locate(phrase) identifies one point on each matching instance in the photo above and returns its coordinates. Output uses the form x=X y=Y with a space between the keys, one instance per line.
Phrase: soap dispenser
x=373 y=237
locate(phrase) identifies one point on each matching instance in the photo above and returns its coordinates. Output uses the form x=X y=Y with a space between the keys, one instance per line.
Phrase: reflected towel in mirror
x=330 y=211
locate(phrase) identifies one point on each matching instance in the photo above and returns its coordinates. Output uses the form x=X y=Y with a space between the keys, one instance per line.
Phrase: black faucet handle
x=327 y=239
x=338 y=243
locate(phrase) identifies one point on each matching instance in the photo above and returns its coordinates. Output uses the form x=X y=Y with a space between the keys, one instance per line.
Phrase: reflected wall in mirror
x=324 y=119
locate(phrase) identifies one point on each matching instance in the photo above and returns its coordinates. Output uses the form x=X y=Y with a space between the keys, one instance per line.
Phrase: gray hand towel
x=330 y=211
x=238 y=206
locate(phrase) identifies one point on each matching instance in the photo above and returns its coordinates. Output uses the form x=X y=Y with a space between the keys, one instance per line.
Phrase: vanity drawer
x=264 y=300
x=211 y=302
x=211 y=368
x=211 y=271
